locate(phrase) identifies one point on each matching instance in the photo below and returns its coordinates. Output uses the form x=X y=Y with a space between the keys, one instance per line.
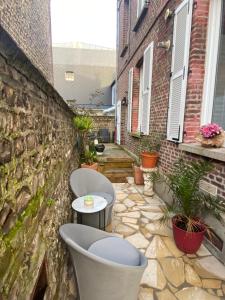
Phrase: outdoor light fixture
x=164 y=45
x=168 y=14
x=124 y=101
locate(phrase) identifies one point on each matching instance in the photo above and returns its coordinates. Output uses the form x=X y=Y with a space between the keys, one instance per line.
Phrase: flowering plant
x=210 y=130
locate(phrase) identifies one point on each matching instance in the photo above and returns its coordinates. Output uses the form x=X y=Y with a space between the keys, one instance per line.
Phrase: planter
x=188 y=242
x=99 y=149
x=216 y=141
x=138 y=176
x=93 y=166
x=149 y=160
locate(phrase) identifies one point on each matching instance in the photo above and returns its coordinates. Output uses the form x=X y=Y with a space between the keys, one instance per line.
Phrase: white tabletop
x=99 y=204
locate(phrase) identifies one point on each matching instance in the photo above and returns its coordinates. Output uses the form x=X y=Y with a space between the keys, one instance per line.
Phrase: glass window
x=218 y=114
x=69 y=76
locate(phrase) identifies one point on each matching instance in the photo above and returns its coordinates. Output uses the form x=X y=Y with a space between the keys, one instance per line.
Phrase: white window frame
x=69 y=76
x=212 y=49
x=140 y=102
x=142 y=6
x=114 y=94
x=186 y=65
x=130 y=99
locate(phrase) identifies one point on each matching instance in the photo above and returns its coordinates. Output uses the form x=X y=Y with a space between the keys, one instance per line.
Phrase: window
x=114 y=94
x=140 y=6
x=129 y=99
x=124 y=32
x=69 y=76
x=179 y=70
x=213 y=108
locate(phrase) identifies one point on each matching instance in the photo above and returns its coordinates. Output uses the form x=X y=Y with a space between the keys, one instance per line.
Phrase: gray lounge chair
x=90 y=182
x=106 y=267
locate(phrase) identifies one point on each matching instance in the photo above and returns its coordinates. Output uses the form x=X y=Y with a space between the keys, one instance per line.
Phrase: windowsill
x=141 y=17
x=124 y=50
x=136 y=135
x=214 y=153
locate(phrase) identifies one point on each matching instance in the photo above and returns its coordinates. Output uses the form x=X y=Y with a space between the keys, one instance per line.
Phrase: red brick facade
x=153 y=27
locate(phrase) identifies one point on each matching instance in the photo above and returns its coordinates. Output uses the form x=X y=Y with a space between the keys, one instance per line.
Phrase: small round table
x=99 y=205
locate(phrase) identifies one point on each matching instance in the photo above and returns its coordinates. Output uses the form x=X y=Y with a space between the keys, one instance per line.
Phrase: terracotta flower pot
x=138 y=176
x=93 y=166
x=188 y=242
x=149 y=160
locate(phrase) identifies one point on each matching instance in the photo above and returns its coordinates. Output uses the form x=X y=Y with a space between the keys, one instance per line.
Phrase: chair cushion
x=117 y=250
x=106 y=196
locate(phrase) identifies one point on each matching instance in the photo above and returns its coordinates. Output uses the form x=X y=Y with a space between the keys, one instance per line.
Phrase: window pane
x=218 y=114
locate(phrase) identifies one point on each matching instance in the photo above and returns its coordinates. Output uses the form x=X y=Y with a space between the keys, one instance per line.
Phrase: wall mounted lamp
x=164 y=45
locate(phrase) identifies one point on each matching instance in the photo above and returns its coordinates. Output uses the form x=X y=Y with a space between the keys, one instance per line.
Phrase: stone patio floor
x=170 y=273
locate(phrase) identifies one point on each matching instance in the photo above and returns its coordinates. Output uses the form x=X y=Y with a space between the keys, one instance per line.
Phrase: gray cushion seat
x=106 y=196
x=117 y=250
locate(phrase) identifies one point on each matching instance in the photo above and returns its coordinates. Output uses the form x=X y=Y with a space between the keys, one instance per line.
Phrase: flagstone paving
x=170 y=274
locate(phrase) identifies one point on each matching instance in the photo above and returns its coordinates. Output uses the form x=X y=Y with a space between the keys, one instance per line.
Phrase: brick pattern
x=154 y=28
x=37 y=155
x=28 y=23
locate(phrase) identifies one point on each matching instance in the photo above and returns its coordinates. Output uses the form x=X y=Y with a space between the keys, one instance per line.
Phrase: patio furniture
x=90 y=182
x=99 y=205
x=104 y=135
x=106 y=267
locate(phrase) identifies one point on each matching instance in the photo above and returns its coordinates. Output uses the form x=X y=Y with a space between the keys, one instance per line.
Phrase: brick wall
x=37 y=155
x=28 y=23
x=154 y=28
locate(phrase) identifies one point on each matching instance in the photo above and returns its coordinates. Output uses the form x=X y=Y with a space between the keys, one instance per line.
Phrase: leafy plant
x=151 y=144
x=189 y=203
x=89 y=157
x=83 y=123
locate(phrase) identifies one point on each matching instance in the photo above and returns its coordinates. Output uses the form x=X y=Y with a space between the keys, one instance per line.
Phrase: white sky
x=88 y=21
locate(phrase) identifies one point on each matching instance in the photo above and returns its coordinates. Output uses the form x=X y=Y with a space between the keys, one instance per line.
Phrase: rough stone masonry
x=37 y=154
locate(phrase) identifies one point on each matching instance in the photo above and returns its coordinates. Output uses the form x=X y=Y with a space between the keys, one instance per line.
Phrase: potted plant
x=189 y=205
x=138 y=174
x=89 y=160
x=211 y=135
x=150 y=152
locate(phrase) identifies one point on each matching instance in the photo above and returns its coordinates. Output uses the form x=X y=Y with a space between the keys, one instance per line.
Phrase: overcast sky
x=88 y=21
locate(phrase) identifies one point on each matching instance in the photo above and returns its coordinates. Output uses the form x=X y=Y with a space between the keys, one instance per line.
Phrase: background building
x=84 y=73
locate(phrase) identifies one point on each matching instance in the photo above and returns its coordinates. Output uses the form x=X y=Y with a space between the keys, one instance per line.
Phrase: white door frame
x=118 y=122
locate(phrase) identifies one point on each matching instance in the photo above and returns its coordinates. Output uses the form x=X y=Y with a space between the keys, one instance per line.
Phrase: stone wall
x=37 y=154
x=28 y=23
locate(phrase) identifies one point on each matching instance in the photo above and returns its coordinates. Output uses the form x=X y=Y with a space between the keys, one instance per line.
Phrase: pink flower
x=210 y=130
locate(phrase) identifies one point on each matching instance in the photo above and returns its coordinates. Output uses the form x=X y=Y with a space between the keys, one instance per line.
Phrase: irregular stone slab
x=145 y=294
x=165 y=295
x=129 y=220
x=192 y=277
x=132 y=214
x=219 y=293
x=117 y=235
x=136 y=227
x=138 y=240
x=209 y=267
x=121 y=196
x=223 y=288
x=153 y=276
x=172 y=288
x=135 y=197
x=157 y=249
x=153 y=216
x=211 y=284
x=150 y=208
x=119 y=208
x=159 y=228
x=203 y=251
x=172 y=247
x=144 y=220
x=173 y=269
x=129 y=203
x=153 y=201
x=193 y=293
x=124 y=230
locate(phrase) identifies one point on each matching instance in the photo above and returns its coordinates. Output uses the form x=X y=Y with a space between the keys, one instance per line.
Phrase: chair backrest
x=84 y=181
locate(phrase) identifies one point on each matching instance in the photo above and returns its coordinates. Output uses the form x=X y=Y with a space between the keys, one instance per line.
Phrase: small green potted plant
x=89 y=160
x=189 y=203
x=150 y=152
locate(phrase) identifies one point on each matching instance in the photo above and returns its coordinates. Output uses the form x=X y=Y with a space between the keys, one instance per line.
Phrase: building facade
x=83 y=74
x=28 y=23
x=170 y=81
